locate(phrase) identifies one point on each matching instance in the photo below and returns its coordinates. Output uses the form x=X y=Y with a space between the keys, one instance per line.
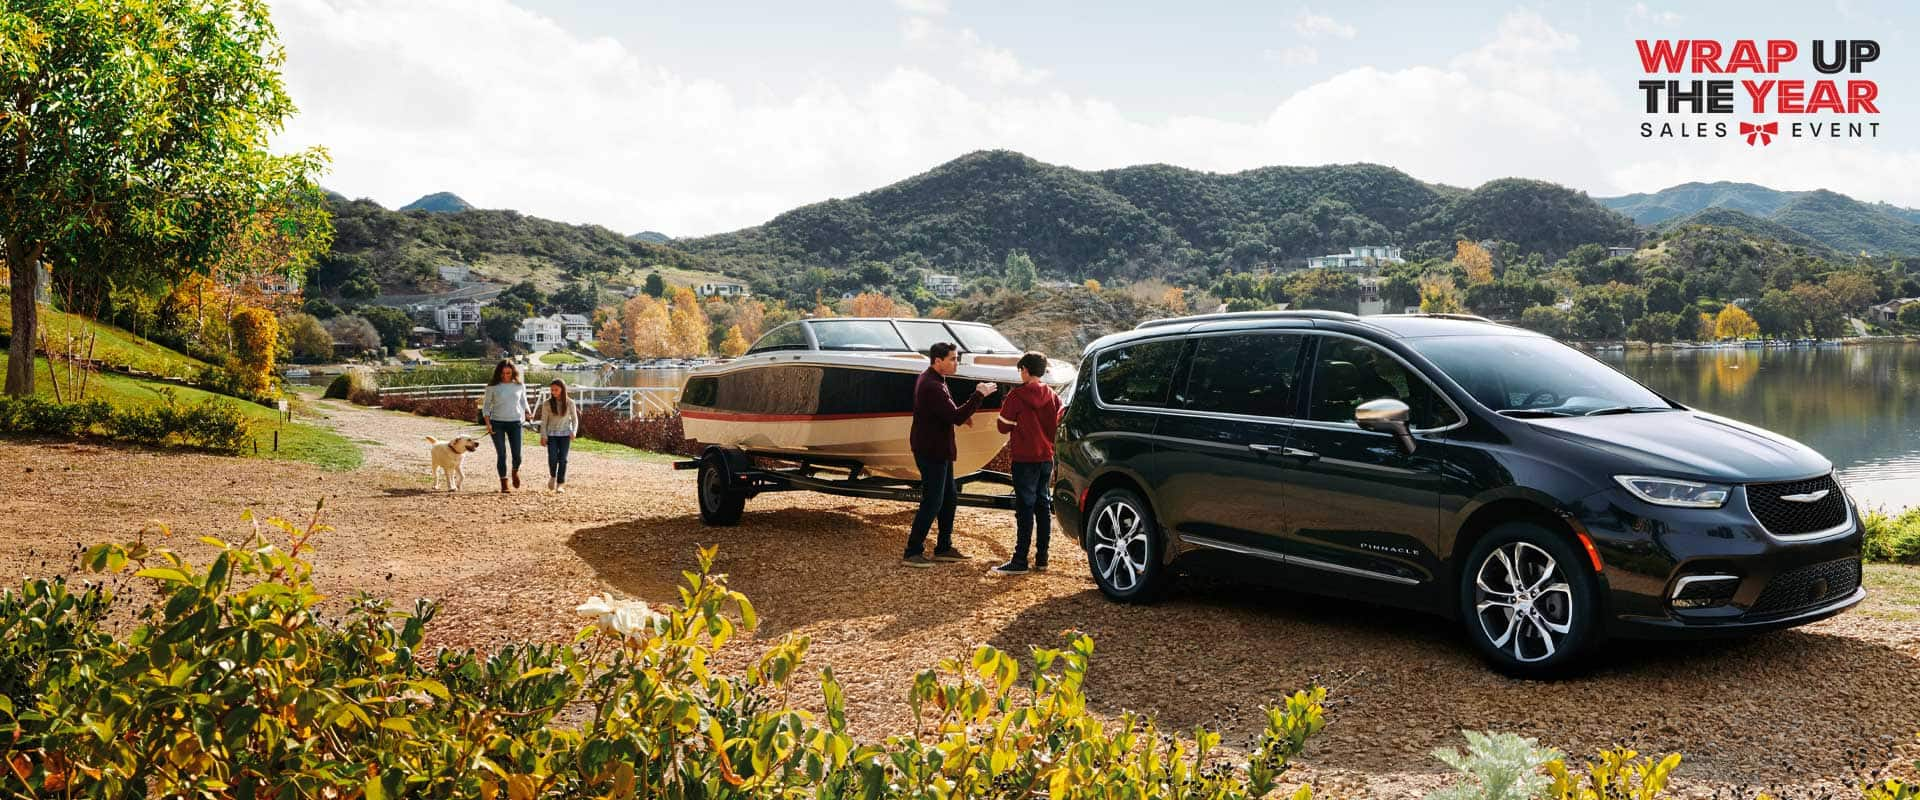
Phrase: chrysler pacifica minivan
x=1445 y=464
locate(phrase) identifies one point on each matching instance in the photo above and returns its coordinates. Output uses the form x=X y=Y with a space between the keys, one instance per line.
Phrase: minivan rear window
x=1137 y=374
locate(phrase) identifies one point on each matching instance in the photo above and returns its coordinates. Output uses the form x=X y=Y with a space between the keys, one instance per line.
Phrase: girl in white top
x=505 y=408
x=559 y=419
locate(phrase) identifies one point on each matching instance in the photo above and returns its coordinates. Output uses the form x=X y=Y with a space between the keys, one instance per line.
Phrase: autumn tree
x=1852 y=290
x=307 y=341
x=1474 y=260
x=1175 y=298
x=1438 y=294
x=136 y=143
x=645 y=327
x=687 y=325
x=750 y=316
x=1092 y=285
x=1734 y=323
x=608 y=339
x=870 y=304
x=255 y=335
x=735 y=344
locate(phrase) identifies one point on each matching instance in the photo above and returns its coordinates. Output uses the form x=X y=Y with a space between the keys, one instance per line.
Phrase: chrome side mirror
x=1386 y=415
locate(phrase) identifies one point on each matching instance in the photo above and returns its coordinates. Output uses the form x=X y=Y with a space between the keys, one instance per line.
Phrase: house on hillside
x=1370 y=301
x=540 y=334
x=942 y=285
x=1889 y=312
x=1368 y=256
x=457 y=319
x=575 y=327
x=1620 y=252
x=721 y=289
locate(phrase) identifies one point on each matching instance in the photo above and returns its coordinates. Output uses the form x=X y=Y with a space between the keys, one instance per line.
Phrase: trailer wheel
x=720 y=502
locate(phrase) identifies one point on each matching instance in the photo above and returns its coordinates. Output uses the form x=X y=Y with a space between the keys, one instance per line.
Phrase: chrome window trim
x=1846 y=501
x=1239 y=549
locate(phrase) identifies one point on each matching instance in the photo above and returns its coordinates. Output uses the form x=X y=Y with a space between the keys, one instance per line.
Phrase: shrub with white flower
x=631 y=620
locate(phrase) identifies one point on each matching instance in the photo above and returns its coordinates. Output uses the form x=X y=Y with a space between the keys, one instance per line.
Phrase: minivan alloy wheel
x=1523 y=602
x=1120 y=546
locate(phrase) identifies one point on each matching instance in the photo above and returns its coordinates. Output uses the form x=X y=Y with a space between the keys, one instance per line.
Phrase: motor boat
x=840 y=390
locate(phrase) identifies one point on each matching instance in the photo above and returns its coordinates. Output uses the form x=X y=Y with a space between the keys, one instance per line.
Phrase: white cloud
x=1314 y=26
x=509 y=110
x=1640 y=14
x=917 y=29
x=1293 y=56
x=928 y=7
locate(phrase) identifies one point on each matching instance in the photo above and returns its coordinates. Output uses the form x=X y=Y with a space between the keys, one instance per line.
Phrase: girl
x=505 y=407
x=559 y=419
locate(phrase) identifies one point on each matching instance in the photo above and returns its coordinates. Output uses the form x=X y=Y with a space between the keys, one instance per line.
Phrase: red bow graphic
x=1764 y=133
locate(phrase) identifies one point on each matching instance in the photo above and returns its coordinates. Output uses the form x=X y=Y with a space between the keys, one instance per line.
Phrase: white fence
x=634 y=401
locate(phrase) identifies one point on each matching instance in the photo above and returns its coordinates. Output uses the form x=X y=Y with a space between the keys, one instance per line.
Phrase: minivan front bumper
x=1659 y=559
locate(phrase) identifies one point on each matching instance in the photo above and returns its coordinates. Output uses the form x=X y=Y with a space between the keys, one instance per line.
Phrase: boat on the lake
x=840 y=391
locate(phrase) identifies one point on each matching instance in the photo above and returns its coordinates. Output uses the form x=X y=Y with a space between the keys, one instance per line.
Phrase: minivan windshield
x=1533 y=376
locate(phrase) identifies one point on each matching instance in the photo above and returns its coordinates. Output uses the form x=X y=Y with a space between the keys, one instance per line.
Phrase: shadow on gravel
x=802 y=566
x=395 y=491
x=1781 y=708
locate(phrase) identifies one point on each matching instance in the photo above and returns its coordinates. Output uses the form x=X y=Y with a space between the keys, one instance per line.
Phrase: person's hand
x=489 y=429
x=543 y=441
x=986 y=388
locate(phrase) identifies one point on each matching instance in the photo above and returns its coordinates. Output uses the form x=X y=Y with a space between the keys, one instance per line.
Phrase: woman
x=505 y=409
x=559 y=419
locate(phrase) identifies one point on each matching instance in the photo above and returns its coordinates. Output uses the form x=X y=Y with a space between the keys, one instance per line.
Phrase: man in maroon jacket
x=934 y=417
x=1031 y=414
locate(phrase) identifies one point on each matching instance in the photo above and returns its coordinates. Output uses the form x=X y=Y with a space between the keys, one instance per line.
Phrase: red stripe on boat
x=731 y=416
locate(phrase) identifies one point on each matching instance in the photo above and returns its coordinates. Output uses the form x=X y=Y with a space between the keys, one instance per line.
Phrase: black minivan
x=1447 y=464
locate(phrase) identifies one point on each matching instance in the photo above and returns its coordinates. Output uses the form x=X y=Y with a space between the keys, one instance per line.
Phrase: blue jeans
x=506 y=435
x=1032 y=507
x=939 y=496
x=557 y=447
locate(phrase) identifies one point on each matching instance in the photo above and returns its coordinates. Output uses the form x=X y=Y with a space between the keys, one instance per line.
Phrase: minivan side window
x=1243 y=373
x=1349 y=372
x=1137 y=374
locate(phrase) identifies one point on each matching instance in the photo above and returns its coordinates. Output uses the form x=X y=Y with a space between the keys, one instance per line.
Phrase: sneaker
x=552 y=485
x=949 y=554
x=1010 y=568
x=1039 y=565
x=917 y=561
x=562 y=488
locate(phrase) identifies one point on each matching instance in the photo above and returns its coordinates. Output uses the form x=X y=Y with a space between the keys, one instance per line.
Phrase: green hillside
x=110 y=345
x=1756 y=226
x=1148 y=221
x=1833 y=220
x=440 y=202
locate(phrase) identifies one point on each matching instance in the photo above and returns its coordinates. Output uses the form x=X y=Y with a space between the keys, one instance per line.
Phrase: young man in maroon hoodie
x=931 y=438
x=1031 y=415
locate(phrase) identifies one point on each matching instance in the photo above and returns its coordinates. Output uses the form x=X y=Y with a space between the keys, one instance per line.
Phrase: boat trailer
x=728 y=476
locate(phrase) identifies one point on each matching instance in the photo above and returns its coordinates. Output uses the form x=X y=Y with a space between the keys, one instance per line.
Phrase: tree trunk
x=24 y=269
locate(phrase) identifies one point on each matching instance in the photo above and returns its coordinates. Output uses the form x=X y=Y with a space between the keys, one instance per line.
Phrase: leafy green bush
x=212 y=424
x=1893 y=539
x=230 y=684
x=354 y=385
x=41 y=416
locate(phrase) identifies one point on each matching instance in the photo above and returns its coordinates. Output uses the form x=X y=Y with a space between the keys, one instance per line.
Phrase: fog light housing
x=1704 y=591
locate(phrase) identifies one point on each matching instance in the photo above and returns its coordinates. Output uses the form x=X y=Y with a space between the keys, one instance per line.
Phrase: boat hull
x=879 y=443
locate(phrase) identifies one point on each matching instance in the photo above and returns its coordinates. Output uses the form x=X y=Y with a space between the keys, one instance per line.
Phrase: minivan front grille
x=1797 y=517
x=1807 y=587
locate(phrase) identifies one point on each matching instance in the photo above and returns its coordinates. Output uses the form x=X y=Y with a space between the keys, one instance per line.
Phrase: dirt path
x=1785 y=712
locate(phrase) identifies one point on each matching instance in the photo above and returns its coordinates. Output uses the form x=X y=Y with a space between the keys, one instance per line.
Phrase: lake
x=1857 y=405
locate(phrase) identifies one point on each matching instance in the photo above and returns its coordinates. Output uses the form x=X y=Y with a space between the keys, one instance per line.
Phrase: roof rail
x=1303 y=313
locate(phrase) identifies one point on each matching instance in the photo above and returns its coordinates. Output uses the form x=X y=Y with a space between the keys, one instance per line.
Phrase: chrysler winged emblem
x=1805 y=498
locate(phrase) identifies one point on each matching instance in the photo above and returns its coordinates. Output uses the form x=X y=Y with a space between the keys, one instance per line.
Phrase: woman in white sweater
x=505 y=408
x=559 y=420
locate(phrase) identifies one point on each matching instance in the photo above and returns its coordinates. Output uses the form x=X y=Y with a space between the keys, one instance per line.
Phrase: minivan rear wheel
x=1527 y=600
x=1124 y=549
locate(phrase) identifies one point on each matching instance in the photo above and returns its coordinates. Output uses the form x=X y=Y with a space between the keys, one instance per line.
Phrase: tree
x=656 y=286
x=1659 y=326
x=1438 y=295
x=136 y=140
x=750 y=317
x=393 y=324
x=1324 y=289
x=1910 y=316
x=1824 y=315
x=256 y=335
x=1734 y=323
x=687 y=325
x=1545 y=319
x=578 y=297
x=1092 y=285
x=356 y=332
x=306 y=339
x=523 y=297
x=1599 y=312
x=1020 y=272
x=645 y=326
x=497 y=324
x=609 y=341
x=1174 y=298
x=735 y=344
x=320 y=308
x=1780 y=313
x=1475 y=261
x=1852 y=290
x=870 y=304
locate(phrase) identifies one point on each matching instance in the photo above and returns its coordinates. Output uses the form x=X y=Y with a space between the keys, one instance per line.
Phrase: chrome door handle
x=1285 y=451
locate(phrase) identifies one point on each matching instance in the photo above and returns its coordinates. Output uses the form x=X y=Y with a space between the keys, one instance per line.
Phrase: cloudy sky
x=696 y=118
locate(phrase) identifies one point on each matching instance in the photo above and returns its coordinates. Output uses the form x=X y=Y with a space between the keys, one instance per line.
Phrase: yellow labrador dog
x=449 y=459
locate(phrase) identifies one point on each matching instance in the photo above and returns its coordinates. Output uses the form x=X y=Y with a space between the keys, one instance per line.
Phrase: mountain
x=440 y=202
x=655 y=237
x=1742 y=221
x=1156 y=220
x=1829 y=218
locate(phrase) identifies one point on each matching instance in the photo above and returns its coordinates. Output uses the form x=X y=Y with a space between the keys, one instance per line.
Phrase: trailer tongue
x=728 y=476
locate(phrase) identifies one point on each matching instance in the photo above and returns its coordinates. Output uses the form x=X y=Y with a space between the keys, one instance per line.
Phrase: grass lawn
x=112 y=345
x=299 y=441
x=586 y=445
x=558 y=357
x=1893 y=592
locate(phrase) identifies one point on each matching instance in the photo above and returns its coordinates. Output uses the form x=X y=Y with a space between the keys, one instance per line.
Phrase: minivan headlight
x=1675 y=492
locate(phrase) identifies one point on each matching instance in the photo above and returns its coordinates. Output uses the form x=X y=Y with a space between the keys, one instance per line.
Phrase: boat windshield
x=856 y=334
x=923 y=335
x=983 y=339
x=1533 y=376
x=786 y=337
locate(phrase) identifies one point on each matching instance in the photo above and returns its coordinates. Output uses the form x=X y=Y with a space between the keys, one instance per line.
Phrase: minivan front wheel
x=1124 y=547
x=1528 y=600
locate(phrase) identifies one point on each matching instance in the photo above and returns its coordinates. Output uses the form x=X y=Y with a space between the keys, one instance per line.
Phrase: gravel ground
x=1793 y=713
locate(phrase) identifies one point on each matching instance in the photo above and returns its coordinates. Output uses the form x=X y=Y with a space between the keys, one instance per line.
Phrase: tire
x=720 y=503
x=1124 y=548
x=1529 y=602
